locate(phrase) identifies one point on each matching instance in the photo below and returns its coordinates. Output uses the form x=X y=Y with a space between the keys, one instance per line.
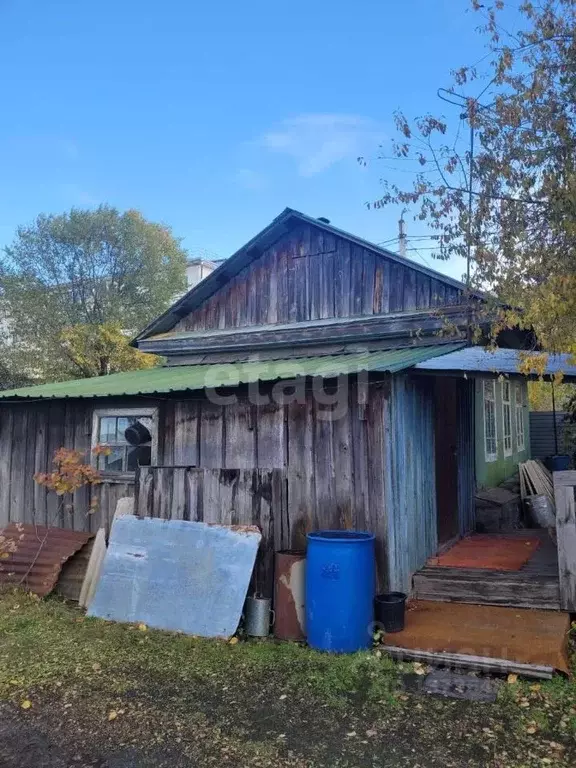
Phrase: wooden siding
x=310 y=274
x=411 y=490
x=564 y=494
x=357 y=455
x=29 y=436
x=466 y=457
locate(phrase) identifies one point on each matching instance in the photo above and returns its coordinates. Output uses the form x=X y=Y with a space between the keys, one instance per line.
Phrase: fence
x=564 y=486
x=225 y=496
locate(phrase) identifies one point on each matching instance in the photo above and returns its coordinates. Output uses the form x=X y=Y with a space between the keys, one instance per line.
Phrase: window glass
x=123 y=457
x=490 y=436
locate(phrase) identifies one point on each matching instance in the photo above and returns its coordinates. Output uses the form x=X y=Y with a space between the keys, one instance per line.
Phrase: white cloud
x=318 y=141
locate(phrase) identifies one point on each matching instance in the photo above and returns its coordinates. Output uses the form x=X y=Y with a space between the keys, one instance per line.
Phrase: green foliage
x=75 y=286
x=520 y=102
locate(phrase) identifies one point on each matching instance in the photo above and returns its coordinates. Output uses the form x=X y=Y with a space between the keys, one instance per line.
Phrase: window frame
x=100 y=413
x=489 y=455
x=519 y=405
x=507 y=437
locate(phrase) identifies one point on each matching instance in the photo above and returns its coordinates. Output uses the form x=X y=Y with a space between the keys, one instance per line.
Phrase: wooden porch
x=535 y=584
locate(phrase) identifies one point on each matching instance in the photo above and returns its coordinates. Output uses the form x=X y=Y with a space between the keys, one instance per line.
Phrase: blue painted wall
x=411 y=490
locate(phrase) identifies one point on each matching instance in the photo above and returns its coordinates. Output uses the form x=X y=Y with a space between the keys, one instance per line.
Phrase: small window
x=490 y=435
x=519 y=409
x=507 y=417
x=109 y=428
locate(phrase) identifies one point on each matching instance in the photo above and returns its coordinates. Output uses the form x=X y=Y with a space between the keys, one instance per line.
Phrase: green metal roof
x=185 y=377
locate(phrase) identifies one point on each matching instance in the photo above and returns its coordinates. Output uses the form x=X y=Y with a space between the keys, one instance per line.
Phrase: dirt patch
x=109 y=695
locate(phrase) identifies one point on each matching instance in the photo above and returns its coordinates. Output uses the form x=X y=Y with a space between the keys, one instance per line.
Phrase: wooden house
x=292 y=398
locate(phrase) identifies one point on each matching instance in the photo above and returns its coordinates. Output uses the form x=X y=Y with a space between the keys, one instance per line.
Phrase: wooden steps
x=518 y=589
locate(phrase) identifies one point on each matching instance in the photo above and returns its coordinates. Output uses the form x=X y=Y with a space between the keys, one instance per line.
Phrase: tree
x=75 y=287
x=521 y=227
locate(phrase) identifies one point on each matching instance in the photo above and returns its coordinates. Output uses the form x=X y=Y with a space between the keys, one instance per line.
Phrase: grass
x=123 y=691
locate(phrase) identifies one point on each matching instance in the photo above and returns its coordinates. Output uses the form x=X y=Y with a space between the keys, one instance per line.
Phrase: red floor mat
x=498 y=553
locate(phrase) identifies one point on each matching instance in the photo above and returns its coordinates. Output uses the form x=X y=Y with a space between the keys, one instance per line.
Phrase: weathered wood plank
x=6 y=422
x=19 y=479
x=211 y=435
x=240 y=436
x=564 y=484
x=473 y=663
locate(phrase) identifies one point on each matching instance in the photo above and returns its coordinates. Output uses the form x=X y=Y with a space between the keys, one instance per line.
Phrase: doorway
x=446 y=396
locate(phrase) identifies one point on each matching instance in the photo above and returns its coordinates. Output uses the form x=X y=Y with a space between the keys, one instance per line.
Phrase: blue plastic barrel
x=340 y=585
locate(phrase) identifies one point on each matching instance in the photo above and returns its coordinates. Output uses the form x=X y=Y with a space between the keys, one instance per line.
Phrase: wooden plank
x=327 y=298
x=301 y=479
x=342 y=450
x=6 y=422
x=270 y=442
x=396 y=301
x=566 y=537
x=240 y=436
x=368 y=282
x=211 y=435
x=473 y=663
x=325 y=515
x=357 y=273
x=423 y=291
x=410 y=296
x=376 y=512
x=18 y=479
x=186 y=432
x=342 y=277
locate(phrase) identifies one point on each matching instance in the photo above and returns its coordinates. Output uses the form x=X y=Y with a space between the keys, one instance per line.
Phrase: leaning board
x=176 y=575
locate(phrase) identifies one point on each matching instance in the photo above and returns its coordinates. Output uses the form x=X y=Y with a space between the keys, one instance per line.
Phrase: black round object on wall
x=137 y=434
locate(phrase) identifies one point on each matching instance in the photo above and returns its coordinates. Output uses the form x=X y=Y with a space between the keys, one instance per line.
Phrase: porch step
x=516 y=589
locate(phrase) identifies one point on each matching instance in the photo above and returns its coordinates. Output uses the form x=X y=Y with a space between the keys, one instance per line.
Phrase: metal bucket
x=289 y=595
x=257 y=616
x=540 y=511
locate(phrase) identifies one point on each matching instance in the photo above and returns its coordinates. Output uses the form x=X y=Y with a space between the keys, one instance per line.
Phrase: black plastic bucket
x=390 y=610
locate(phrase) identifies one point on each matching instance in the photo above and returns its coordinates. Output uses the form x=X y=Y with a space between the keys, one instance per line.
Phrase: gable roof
x=281 y=225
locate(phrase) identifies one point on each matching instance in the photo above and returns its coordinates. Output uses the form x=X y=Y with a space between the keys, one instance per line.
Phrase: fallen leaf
x=284 y=696
x=531 y=729
x=511 y=679
x=112 y=715
x=142 y=627
x=419 y=669
x=371 y=733
x=351 y=734
x=26 y=704
x=233 y=641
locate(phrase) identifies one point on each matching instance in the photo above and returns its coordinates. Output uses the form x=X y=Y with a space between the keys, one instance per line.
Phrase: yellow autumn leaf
x=4 y=555
x=142 y=627
x=511 y=679
x=233 y=640
x=26 y=704
x=112 y=715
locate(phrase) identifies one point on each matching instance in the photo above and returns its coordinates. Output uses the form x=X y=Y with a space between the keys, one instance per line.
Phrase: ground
x=83 y=692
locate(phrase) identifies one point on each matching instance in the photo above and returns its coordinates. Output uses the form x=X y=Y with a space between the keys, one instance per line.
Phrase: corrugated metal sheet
x=411 y=480
x=482 y=360
x=32 y=556
x=542 y=433
x=181 y=378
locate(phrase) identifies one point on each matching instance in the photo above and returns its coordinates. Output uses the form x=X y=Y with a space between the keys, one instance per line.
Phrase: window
x=519 y=409
x=490 y=436
x=108 y=429
x=507 y=417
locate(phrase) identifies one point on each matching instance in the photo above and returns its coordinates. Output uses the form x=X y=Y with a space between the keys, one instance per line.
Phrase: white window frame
x=100 y=413
x=507 y=436
x=519 y=403
x=487 y=385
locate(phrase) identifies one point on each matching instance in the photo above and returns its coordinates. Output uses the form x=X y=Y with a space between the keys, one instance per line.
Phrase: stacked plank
x=535 y=480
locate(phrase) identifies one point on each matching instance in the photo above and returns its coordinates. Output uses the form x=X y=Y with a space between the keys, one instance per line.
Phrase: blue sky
x=213 y=117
